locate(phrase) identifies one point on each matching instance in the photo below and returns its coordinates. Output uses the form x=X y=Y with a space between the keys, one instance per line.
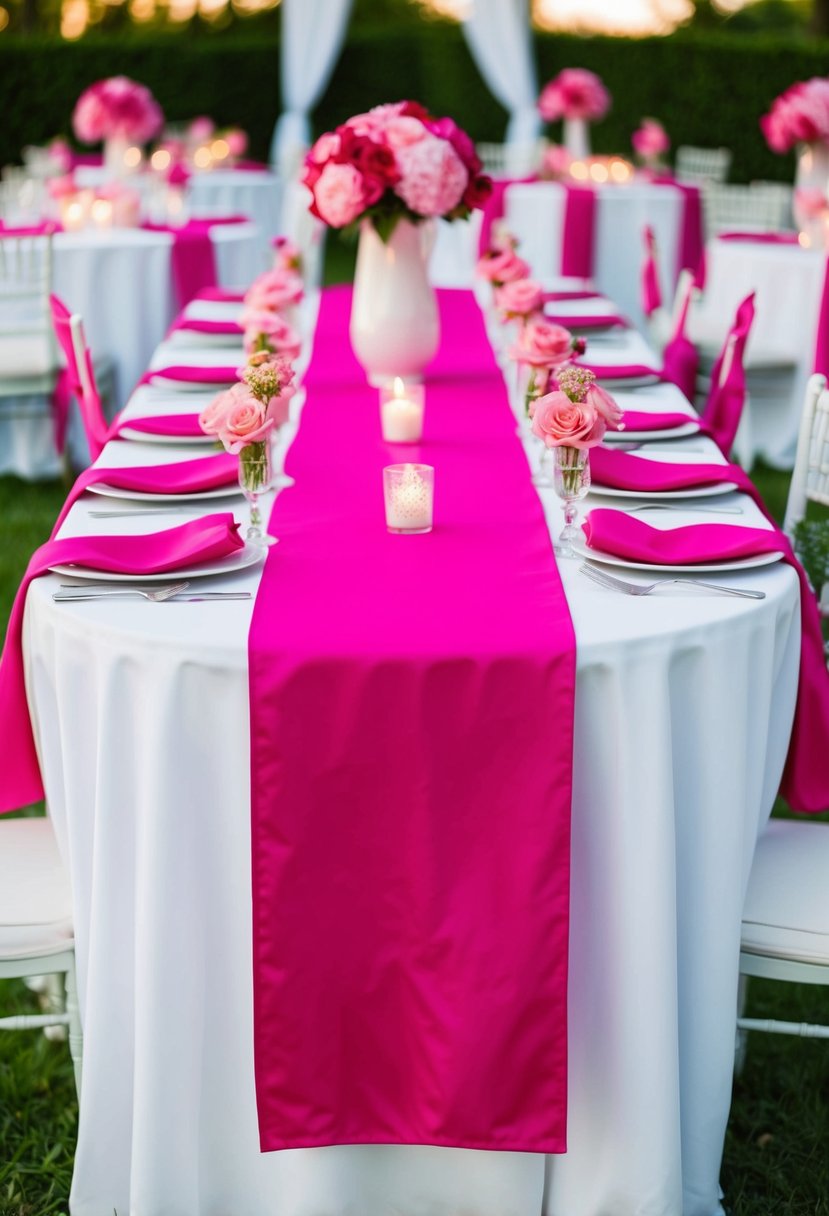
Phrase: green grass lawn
x=776 y=1160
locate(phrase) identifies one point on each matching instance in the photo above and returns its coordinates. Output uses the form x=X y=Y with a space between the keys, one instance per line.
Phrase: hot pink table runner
x=411 y=754
x=193 y=258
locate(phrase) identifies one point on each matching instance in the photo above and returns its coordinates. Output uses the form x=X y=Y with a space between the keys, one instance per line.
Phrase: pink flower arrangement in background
x=520 y=298
x=798 y=116
x=542 y=343
x=116 y=108
x=574 y=93
x=394 y=161
x=650 y=141
x=502 y=265
x=274 y=289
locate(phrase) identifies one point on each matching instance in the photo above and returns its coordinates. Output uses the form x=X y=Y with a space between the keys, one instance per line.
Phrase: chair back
x=651 y=289
x=69 y=332
x=701 y=165
x=810 y=476
x=760 y=207
x=27 y=345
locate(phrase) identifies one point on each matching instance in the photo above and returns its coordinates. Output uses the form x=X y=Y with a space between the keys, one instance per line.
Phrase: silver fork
x=619 y=584
x=669 y=506
x=156 y=595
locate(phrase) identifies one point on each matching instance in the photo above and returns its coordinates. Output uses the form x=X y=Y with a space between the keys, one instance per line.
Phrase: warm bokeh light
x=74 y=18
x=613 y=16
x=142 y=10
x=4 y=17
x=160 y=160
x=132 y=158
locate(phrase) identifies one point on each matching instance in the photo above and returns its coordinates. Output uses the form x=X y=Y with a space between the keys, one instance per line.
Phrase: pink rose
x=541 y=343
x=245 y=422
x=606 y=406
x=561 y=422
x=401 y=131
x=505 y=266
x=210 y=419
x=286 y=255
x=574 y=93
x=433 y=176
x=201 y=129
x=237 y=141
x=800 y=115
x=279 y=408
x=519 y=298
x=339 y=197
x=279 y=336
x=275 y=289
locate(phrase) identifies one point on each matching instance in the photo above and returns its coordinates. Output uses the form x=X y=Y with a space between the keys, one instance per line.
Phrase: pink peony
x=339 y=197
x=574 y=93
x=561 y=422
x=503 y=266
x=116 y=108
x=433 y=176
x=541 y=343
x=245 y=422
x=650 y=140
x=520 y=298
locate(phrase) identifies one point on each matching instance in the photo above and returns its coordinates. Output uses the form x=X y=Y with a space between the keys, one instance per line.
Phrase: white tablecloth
x=788 y=282
x=534 y=211
x=683 y=708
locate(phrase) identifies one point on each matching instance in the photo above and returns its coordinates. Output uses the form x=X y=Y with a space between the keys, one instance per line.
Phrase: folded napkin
x=200 y=540
x=587 y=320
x=626 y=471
x=805 y=784
x=620 y=371
x=642 y=420
x=45 y=228
x=176 y=426
x=763 y=238
x=550 y=297
x=179 y=477
x=198 y=326
x=191 y=375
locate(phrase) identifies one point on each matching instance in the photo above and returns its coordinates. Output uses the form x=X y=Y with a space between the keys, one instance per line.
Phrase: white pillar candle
x=401 y=412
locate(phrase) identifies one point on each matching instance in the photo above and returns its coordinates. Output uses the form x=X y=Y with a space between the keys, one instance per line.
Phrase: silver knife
x=84 y=593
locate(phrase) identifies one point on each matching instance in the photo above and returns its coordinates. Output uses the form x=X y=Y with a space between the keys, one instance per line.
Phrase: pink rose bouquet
x=650 y=141
x=560 y=422
x=798 y=116
x=542 y=343
x=394 y=161
x=574 y=93
x=116 y=108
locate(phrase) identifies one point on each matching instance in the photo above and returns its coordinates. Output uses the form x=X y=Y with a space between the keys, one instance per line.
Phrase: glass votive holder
x=408 y=491
x=401 y=411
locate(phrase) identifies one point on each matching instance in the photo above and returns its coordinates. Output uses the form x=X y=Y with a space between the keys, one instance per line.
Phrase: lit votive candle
x=101 y=213
x=72 y=214
x=408 y=490
x=401 y=412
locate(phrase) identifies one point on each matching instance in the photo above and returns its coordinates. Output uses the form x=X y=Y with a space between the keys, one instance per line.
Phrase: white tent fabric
x=312 y=36
x=499 y=36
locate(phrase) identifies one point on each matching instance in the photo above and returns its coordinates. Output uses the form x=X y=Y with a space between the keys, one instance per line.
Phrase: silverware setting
x=612 y=583
x=669 y=506
x=172 y=509
x=156 y=594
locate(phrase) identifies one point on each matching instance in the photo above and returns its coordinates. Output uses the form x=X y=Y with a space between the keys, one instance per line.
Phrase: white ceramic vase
x=115 y=165
x=811 y=193
x=577 y=137
x=395 y=327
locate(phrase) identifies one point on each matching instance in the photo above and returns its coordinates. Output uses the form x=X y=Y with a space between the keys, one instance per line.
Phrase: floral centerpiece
x=799 y=118
x=269 y=305
x=243 y=418
x=570 y=420
x=117 y=111
x=393 y=169
x=578 y=97
x=650 y=142
x=541 y=349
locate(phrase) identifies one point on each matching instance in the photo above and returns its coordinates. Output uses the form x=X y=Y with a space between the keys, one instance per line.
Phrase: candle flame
x=398 y=386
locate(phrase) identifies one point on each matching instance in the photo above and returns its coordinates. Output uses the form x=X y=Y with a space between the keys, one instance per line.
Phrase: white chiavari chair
x=699 y=165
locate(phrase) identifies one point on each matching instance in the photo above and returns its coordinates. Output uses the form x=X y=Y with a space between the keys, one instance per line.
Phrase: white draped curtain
x=499 y=36
x=312 y=37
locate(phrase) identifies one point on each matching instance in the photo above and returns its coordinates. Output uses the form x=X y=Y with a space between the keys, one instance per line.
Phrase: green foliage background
x=707 y=88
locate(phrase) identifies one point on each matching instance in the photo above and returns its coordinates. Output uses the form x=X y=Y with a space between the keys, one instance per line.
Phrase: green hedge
x=707 y=90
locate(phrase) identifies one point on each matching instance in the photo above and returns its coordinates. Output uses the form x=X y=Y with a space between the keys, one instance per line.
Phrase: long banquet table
x=684 y=704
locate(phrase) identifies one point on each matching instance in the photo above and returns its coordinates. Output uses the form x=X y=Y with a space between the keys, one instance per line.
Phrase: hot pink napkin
x=177 y=426
x=44 y=228
x=724 y=407
x=180 y=477
x=642 y=420
x=586 y=320
x=199 y=326
x=551 y=297
x=578 y=237
x=680 y=358
x=627 y=471
x=191 y=375
x=620 y=371
x=821 y=362
x=194 y=259
x=651 y=291
x=222 y=295
x=200 y=540
x=411 y=765
x=805 y=784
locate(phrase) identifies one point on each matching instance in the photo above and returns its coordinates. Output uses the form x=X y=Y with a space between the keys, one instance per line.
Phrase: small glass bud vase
x=255 y=479
x=571 y=478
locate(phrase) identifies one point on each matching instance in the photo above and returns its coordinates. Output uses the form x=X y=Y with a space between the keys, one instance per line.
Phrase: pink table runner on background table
x=193 y=258
x=411 y=757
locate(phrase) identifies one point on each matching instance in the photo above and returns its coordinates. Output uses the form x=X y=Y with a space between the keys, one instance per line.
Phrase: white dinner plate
x=725 y=487
x=743 y=563
x=620 y=383
x=239 y=560
x=691 y=427
x=227 y=491
x=191 y=386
